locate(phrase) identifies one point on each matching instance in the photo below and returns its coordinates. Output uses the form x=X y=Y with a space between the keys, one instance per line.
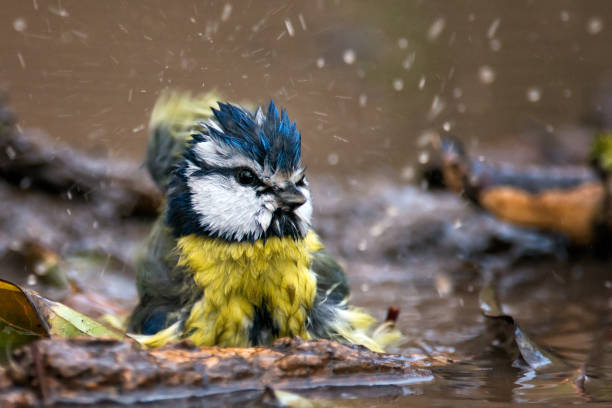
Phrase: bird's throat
x=240 y=278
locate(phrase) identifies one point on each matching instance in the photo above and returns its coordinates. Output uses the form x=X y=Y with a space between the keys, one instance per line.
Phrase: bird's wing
x=163 y=288
x=332 y=285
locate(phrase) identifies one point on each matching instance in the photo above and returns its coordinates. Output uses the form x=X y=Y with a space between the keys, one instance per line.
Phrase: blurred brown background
x=363 y=79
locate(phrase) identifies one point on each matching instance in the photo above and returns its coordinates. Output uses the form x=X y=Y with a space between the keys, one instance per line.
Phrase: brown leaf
x=18 y=312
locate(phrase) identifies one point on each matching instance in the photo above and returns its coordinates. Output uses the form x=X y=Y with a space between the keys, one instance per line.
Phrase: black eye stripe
x=233 y=172
x=242 y=175
x=223 y=171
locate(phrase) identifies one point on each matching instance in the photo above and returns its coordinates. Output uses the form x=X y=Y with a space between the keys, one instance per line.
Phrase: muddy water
x=364 y=80
x=432 y=262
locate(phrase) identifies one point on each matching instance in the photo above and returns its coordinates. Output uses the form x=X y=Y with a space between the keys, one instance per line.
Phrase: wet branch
x=90 y=370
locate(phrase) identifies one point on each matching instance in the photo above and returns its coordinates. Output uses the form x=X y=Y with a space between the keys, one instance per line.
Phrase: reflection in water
x=366 y=82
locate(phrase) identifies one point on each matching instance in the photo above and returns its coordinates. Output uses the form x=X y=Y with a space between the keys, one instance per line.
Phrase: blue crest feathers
x=274 y=142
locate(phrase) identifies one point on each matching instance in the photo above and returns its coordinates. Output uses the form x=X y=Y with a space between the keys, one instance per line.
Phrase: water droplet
x=402 y=43
x=398 y=84
x=422 y=82
x=32 y=280
x=423 y=157
x=391 y=211
x=363 y=100
x=567 y=93
x=457 y=93
x=446 y=126
x=565 y=16
x=493 y=28
x=495 y=44
x=302 y=21
x=227 y=12
x=363 y=245
x=349 y=56
x=444 y=284
x=436 y=29
x=594 y=25
x=333 y=159
x=409 y=60
x=407 y=173
x=40 y=268
x=20 y=24
x=486 y=74
x=428 y=137
x=534 y=94
x=320 y=62
x=21 y=60
x=289 y=26
x=62 y=12
x=437 y=106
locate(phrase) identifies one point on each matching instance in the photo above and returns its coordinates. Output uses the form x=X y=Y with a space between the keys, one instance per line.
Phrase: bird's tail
x=170 y=333
x=176 y=115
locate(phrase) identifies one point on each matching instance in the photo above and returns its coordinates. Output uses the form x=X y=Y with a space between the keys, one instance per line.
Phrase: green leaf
x=66 y=322
x=26 y=316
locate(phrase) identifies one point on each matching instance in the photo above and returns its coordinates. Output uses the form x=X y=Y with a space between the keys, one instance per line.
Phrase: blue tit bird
x=233 y=260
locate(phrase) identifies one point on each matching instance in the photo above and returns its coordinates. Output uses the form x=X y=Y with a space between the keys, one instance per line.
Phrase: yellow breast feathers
x=237 y=278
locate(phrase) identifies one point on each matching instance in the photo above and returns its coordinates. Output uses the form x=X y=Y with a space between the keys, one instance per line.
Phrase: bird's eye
x=301 y=182
x=246 y=177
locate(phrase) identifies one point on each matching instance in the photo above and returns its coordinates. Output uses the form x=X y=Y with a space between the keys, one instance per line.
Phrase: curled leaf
x=25 y=316
x=515 y=340
x=20 y=322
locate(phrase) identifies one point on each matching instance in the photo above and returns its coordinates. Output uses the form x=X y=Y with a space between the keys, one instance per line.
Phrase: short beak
x=290 y=198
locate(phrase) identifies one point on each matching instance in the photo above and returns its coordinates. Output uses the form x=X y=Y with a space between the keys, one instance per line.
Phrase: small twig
x=392 y=314
x=40 y=374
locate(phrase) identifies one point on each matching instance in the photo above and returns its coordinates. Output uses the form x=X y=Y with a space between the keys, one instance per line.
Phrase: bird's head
x=241 y=179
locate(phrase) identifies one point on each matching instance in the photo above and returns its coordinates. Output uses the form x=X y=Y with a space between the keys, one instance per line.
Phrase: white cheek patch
x=234 y=211
x=224 y=206
x=304 y=211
